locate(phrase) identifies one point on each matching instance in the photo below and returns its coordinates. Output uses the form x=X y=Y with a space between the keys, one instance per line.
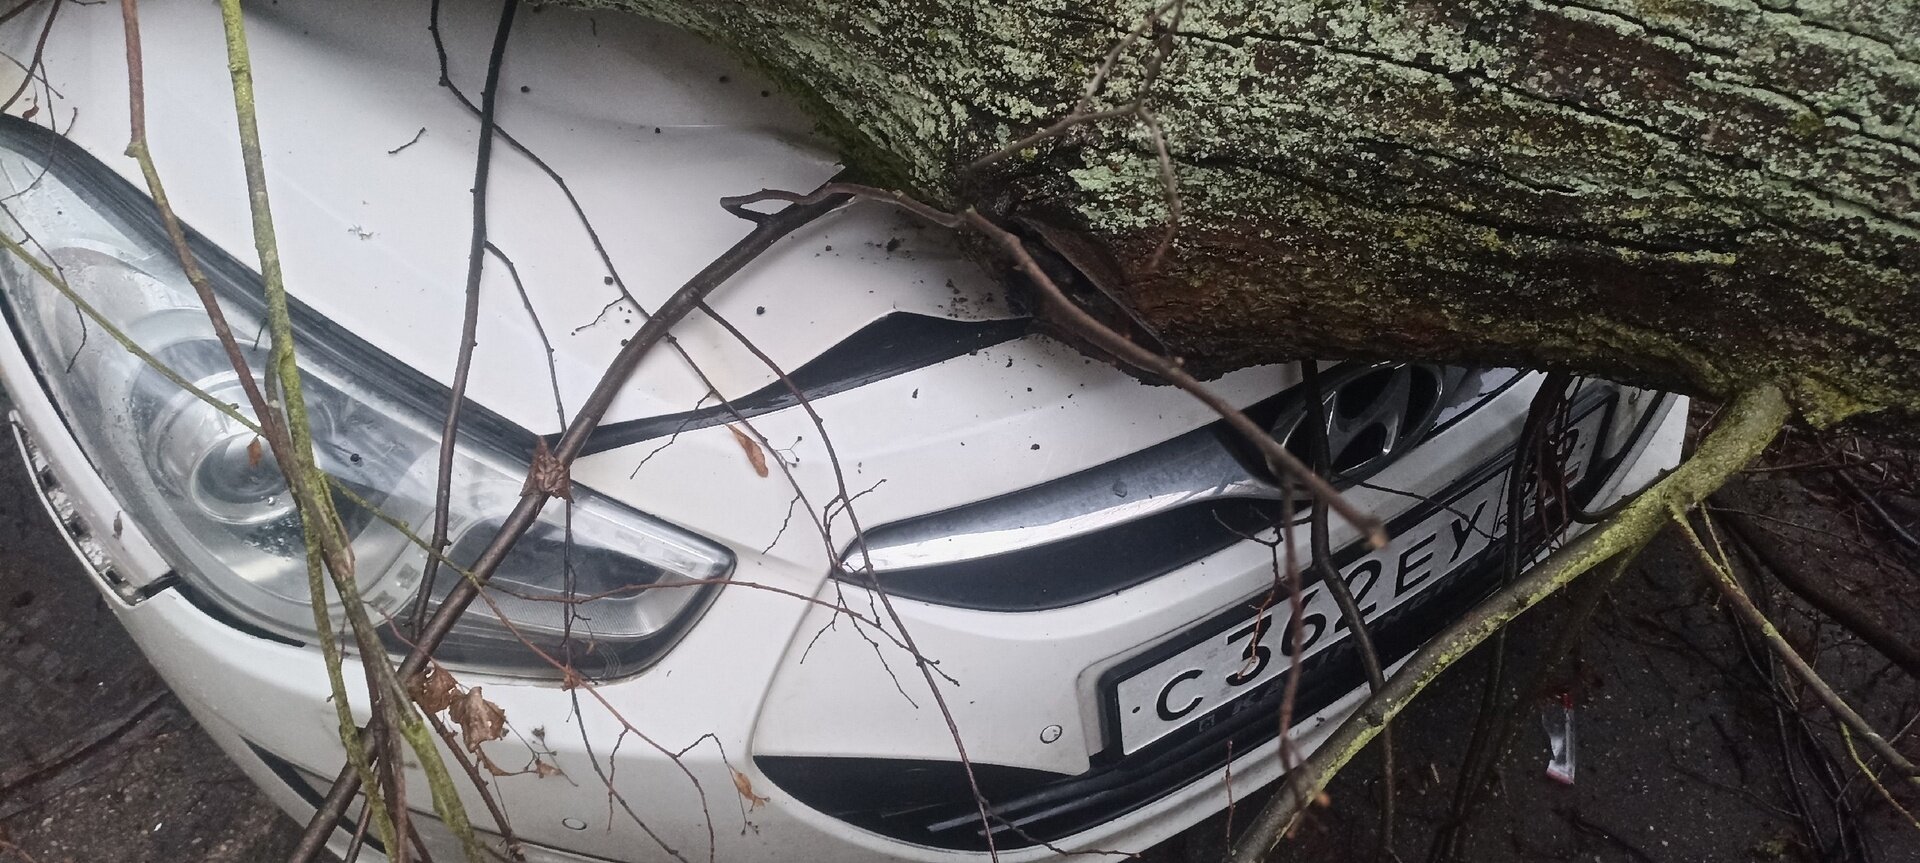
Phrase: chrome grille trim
x=1194 y=469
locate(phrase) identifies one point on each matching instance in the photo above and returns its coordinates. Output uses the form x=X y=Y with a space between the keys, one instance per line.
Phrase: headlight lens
x=617 y=582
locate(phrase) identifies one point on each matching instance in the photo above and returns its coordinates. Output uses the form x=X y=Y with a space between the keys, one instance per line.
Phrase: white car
x=1066 y=543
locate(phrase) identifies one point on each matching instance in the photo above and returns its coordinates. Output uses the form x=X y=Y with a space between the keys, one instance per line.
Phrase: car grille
x=930 y=802
x=1125 y=522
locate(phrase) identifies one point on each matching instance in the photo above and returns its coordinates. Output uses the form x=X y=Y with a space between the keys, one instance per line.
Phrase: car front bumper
x=761 y=676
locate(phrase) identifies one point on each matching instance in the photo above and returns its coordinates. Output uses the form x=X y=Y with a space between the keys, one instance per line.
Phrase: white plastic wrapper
x=1556 y=715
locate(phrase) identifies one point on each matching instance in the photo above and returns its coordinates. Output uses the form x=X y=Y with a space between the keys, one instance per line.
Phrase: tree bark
x=1697 y=194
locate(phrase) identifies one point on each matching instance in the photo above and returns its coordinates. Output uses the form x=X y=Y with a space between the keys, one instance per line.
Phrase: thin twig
x=1140 y=109
x=359 y=838
x=470 y=314
x=1729 y=587
x=1833 y=603
x=39 y=51
x=1755 y=417
x=546 y=344
x=1893 y=525
x=1874 y=780
x=410 y=142
x=18 y=8
x=1082 y=112
x=614 y=275
x=1495 y=712
x=903 y=638
x=1322 y=550
x=514 y=849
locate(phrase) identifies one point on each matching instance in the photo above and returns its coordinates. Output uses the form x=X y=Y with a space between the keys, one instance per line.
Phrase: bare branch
x=470 y=314
x=1322 y=561
x=1754 y=418
x=1730 y=588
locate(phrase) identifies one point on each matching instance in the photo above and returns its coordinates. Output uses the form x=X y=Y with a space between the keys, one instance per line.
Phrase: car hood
x=370 y=164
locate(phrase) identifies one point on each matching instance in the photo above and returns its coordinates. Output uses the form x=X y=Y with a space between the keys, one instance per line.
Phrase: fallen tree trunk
x=1692 y=194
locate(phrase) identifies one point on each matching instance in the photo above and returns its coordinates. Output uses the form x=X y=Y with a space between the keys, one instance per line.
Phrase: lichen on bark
x=1691 y=193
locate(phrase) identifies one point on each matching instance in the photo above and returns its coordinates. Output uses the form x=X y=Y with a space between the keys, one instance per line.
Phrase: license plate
x=1222 y=662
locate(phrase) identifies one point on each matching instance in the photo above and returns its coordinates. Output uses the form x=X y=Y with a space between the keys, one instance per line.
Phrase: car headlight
x=620 y=584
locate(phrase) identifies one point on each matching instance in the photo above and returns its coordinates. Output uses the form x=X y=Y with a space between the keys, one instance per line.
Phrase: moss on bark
x=1691 y=193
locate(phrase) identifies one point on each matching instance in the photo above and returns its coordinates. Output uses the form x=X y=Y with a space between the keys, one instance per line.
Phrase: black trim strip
x=207 y=606
x=895 y=344
x=296 y=781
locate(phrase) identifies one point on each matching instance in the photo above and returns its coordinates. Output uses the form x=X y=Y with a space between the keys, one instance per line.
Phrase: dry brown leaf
x=543 y=770
x=480 y=720
x=547 y=474
x=745 y=786
x=755 y=455
x=253 y=453
x=436 y=690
